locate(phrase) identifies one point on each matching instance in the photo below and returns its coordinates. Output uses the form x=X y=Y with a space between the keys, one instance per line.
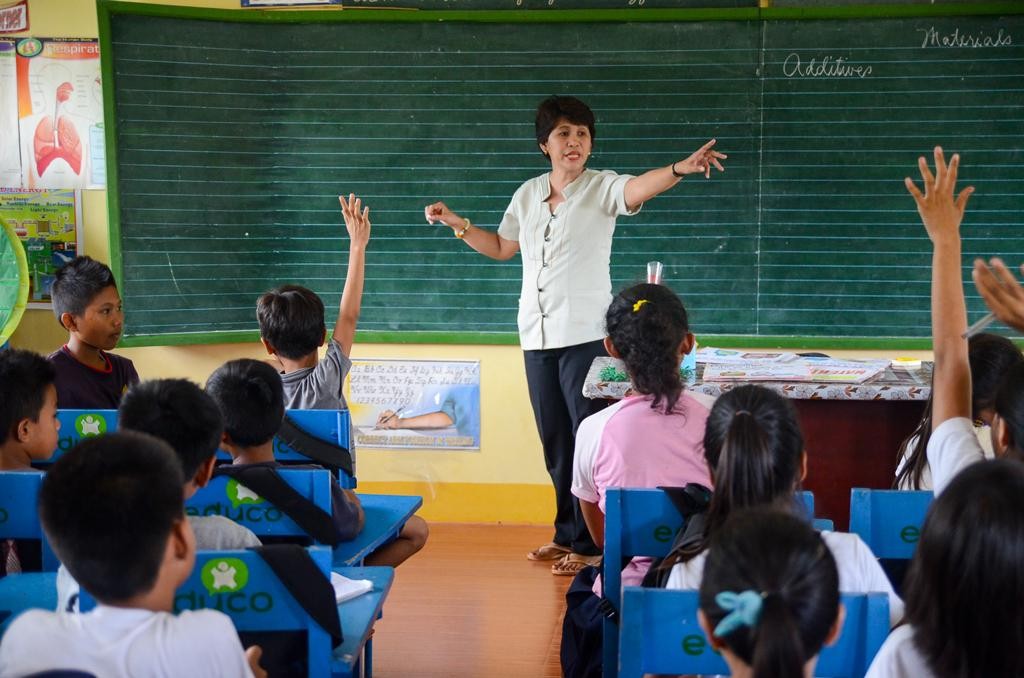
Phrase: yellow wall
x=504 y=482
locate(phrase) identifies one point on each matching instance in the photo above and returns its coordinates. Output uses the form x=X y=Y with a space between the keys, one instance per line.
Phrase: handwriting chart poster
x=415 y=404
x=60 y=112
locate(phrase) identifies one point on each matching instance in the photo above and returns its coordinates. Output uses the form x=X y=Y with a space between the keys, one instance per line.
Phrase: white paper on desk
x=757 y=372
x=724 y=356
x=347 y=589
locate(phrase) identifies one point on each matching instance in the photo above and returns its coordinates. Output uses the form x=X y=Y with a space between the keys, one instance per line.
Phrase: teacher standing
x=563 y=222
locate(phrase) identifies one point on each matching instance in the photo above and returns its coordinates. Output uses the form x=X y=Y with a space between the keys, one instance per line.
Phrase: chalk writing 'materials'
x=824 y=67
x=933 y=38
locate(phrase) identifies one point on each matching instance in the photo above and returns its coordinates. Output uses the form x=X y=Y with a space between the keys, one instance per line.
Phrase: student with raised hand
x=966 y=583
x=654 y=437
x=953 y=445
x=1002 y=293
x=562 y=222
x=769 y=598
x=990 y=356
x=112 y=509
x=755 y=449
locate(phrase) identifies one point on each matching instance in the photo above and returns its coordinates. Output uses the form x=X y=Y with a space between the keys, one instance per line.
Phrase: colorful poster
x=14 y=18
x=10 y=153
x=60 y=112
x=48 y=225
x=415 y=404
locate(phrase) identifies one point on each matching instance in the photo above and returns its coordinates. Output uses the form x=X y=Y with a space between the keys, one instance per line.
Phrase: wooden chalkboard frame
x=106 y=9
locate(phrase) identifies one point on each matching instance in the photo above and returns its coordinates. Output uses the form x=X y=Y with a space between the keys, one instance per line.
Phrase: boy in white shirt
x=113 y=511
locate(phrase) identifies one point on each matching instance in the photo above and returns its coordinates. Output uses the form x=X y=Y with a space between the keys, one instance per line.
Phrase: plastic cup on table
x=654 y=269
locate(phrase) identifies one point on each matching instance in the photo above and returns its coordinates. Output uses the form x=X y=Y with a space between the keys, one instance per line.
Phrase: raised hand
x=357 y=219
x=939 y=211
x=1002 y=293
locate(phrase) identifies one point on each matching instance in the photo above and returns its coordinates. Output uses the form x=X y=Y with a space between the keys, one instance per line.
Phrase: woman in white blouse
x=563 y=222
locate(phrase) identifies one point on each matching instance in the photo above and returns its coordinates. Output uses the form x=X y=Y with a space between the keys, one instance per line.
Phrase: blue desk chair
x=76 y=425
x=642 y=522
x=331 y=426
x=19 y=517
x=227 y=497
x=660 y=634
x=889 y=521
x=242 y=585
x=385 y=516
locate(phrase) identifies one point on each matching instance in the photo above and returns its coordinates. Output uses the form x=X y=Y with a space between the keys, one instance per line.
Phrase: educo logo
x=240 y=494
x=224 y=575
x=90 y=424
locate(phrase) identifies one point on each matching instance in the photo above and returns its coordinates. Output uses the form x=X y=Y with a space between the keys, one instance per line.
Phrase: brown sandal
x=572 y=563
x=550 y=551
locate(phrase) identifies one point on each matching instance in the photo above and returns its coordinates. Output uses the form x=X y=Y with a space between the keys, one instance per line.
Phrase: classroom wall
x=504 y=482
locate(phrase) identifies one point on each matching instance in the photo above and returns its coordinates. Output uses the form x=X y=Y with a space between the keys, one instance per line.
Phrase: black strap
x=268 y=483
x=319 y=450
x=307 y=584
x=694 y=498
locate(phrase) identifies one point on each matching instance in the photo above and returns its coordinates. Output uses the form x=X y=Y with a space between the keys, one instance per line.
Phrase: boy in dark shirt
x=87 y=305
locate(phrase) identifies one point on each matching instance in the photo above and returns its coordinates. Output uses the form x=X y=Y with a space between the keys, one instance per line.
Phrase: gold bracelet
x=462 y=234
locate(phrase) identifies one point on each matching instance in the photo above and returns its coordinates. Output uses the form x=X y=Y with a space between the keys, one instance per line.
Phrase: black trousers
x=555 y=379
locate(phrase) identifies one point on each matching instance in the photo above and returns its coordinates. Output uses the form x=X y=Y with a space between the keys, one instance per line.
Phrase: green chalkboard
x=233 y=132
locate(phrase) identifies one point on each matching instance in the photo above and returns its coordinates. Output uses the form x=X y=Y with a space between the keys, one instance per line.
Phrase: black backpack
x=692 y=503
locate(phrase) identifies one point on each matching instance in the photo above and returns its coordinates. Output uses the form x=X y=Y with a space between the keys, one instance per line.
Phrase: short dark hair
x=251 y=399
x=291 y=320
x=77 y=283
x=966 y=573
x=556 y=108
x=646 y=323
x=785 y=561
x=1009 y=405
x=24 y=376
x=177 y=412
x=108 y=507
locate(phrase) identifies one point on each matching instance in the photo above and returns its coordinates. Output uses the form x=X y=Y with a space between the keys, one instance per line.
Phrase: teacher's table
x=852 y=431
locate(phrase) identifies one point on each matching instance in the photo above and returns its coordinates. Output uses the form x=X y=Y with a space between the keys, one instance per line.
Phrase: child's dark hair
x=177 y=412
x=966 y=574
x=556 y=108
x=77 y=283
x=755 y=450
x=108 y=506
x=991 y=356
x=251 y=400
x=784 y=562
x=24 y=376
x=1009 y=405
x=291 y=319
x=647 y=323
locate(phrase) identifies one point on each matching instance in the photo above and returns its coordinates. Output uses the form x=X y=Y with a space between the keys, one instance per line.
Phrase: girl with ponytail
x=769 y=599
x=654 y=437
x=755 y=450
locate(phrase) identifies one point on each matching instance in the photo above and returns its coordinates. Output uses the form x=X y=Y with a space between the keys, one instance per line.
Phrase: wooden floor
x=470 y=604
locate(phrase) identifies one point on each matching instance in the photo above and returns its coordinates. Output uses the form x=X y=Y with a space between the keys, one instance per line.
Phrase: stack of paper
x=778 y=367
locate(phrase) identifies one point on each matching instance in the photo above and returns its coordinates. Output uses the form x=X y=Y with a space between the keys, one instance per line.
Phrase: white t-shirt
x=984 y=434
x=859 y=571
x=899 y=657
x=113 y=642
x=952 y=448
x=566 y=256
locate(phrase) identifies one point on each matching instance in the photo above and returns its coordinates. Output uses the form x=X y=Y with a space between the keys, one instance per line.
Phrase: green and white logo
x=224 y=575
x=240 y=494
x=90 y=424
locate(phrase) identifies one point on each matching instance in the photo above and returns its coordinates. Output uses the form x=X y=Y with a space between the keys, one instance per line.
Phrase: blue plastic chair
x=19 y=516
x=889 y=521
x=225 y=496
x=642 y=522
x=77 y=425
x=241 y=585
x=660 y=635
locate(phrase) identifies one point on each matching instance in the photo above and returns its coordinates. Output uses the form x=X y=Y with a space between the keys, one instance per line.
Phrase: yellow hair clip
x=638 y=304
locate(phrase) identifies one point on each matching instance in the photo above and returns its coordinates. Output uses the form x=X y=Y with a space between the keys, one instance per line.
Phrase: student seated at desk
x=755 y=449
x=990 y=357
x=769 y=598
x=251 y=399
x=112 y=508
x=87 y=305
x=181 y=414
x=28 y=433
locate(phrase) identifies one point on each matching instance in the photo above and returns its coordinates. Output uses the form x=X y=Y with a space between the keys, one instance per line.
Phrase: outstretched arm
x=941 y=214
x=357 y=222
x=487 y=243
x=649 y=184
x=1001 y=292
